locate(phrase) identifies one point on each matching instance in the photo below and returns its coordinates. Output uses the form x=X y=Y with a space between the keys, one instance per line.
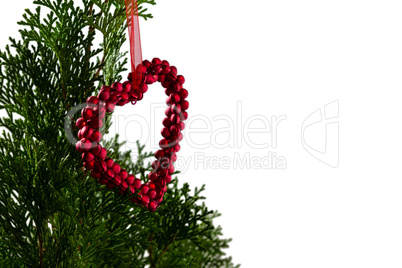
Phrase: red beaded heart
x=103 y=168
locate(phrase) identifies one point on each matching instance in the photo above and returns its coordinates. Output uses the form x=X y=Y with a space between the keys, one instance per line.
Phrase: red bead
x=184 y=115
x=180 y=79
x=152 y=176
x=95 y=174
x=92 y=101
x=151 y=185
x=173 y=70
x=137 y=184
x=99 y=109
x=84 y=145
x=183 y=93
x=165 y=70
x=152 y=206
x=137 y=94
x=160 y=183
x=109 y=162
x=123 y=185
x=144 y=189
x=166 y=122
x=168 y=178
x=117 y=86
x=126 y=87
x=130 y=179
x=159 y=193
x=169 y=101
x=96 y=136
x=146 y=63
x=168 y=92
x=169 y=151
x=155 y=76
x=101 y=116
x=87 y=113
x=161 y=77
x=159 y=154
x=114 y=98
x=96 y=122
x=181 y=125
x=122 y=102
x=103 y=153
x=143 y=87
x=132 y=189
x=88 y=157
x=116 y=168
x=164 y=162
x=170 y=169
x=96 y=150
x=156 y=69
x=162 y=172
x=124 y=96
x=117 y=179
x=177 y=148
x=152 y=194
x=173 y=157
x=176 y=108
x=109 y=174
x=168 y=112
x=184 y=104
x=165 y=132
x=170 y=77
x=174 y=130
x=145 y=199
x=156 y=61
x=100 y=167
x=80 y=122
x=165 y=83
x=89 y=165
x=175 y=119
x=149 y=79
x=155 y=165
x=104 y=94
x=163 y=143
x=124 y=175
x=174 y=87
x=165 y=63
x=175 y=98
x=110 y=106
x=85 y=132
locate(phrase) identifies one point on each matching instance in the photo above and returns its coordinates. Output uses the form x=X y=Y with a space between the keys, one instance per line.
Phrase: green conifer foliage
x=52 y=214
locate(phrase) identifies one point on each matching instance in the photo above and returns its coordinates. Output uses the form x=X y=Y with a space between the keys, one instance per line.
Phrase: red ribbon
x=135 y=41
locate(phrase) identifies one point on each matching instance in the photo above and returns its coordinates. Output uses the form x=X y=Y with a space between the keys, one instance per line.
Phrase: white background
x=286 y=58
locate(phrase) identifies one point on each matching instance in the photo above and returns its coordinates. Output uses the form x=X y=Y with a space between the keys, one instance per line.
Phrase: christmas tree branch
x=151 y=251
x=40 y=248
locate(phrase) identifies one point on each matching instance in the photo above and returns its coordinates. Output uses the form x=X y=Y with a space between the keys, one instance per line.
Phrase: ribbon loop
x=135 y=41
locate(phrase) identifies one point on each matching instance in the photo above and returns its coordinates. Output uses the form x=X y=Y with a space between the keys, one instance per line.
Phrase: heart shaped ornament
x=105 y=170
